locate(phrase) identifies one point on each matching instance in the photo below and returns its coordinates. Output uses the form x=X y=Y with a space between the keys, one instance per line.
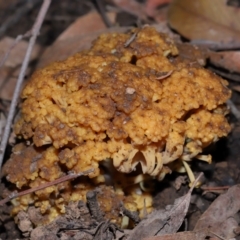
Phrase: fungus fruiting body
x=131 y=105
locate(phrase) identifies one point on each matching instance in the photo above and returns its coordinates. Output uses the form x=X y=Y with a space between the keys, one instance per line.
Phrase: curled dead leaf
x=167 y=221
x=219 y=217
x=210 y=20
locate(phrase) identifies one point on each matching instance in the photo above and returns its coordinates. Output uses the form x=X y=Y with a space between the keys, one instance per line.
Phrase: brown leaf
x=89 y=23
x=77 y=37
x=229 y=60
x=151 y=6
x=8 y=81
x=236 y=88
x=10 y=70
x=180 y=236
x=166 y=221
x=203 y=19
x=2 y=123
x=192 y=54
x=63 y=49
x=132 y=7
x=17 y=54
x=219 y=217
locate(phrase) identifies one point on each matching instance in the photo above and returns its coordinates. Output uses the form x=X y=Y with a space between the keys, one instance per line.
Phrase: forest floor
x=70 y=26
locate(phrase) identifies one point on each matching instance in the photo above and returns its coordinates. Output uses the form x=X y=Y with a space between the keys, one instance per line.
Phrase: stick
x=35 y=30
x=65 y=178
x=209 y=188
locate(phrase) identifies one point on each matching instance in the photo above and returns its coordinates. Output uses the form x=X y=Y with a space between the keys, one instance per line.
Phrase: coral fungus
x=113 y=103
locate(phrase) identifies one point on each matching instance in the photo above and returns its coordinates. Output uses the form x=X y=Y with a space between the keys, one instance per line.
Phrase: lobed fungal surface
x=126 y=102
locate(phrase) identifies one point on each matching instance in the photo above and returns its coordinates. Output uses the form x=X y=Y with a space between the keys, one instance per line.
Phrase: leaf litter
x=219 y=218
x=166 y=221
x=180 y=236
x=205 y=20
x=214 y=24
x=229 y=60
x=215 y=225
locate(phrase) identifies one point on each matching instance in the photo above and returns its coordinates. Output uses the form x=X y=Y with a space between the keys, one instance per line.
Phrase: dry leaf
x=219 y=217
x=8 y=79
x=229 y=60
x=77 y=37
x=10 y=70
x=63 y=49
x=132 y=7
x=203 y=19
x=161 y=222
x=180 y=236
x=179 y=181
x=86 y=24
x=2 y=124
x=236 y=88
x=151 y=6
x=18 y=52
x=193 y=54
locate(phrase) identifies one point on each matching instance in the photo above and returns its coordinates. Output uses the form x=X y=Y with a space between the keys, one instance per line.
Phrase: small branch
x=209 y=189
x=165 y=75
x=35 y=30
x=65 y=178
x=132 y=38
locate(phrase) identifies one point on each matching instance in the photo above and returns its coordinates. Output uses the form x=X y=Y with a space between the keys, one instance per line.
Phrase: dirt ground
x=223 y=172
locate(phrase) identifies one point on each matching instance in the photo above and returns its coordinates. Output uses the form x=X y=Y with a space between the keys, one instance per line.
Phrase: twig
x=165 y=75
x=209 y=189
x=65 y=178
x=196 y=182
x=132 y=38
x=35 y=30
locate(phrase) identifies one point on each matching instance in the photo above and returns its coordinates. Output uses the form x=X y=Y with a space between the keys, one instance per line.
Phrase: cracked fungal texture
x=111 y=102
